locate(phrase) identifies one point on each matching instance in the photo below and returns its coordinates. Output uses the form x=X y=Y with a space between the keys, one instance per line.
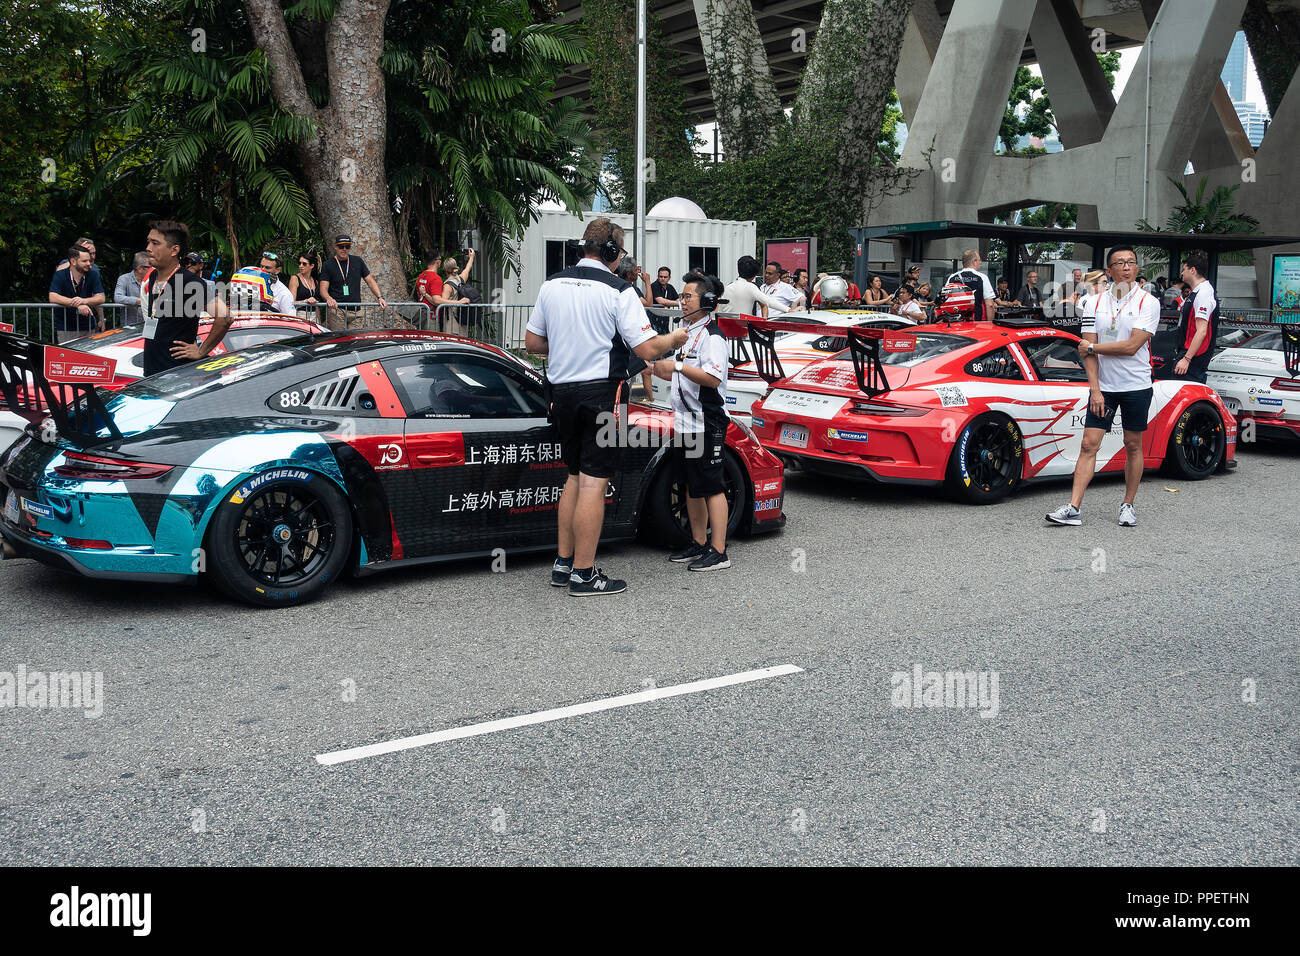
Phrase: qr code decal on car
x=949 y=395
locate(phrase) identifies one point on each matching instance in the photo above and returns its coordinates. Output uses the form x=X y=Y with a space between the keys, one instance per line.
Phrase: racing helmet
x=956 y=301
x=834 y=290
x=250 y=288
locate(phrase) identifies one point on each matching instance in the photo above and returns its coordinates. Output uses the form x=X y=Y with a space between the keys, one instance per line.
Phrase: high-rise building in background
x=1234 y=69
x=1254 y=117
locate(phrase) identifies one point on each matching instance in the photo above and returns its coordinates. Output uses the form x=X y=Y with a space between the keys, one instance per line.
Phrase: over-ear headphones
x=711 y=293
x=609 y=250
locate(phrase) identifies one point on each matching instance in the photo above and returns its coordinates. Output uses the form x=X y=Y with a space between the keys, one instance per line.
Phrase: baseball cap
x=338 y=240
x=193 y=258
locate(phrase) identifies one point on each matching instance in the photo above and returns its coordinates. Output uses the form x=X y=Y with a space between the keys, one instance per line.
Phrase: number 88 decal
x=290 y=399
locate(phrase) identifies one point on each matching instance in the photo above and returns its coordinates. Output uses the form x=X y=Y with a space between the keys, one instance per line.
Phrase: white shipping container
x=671 y=242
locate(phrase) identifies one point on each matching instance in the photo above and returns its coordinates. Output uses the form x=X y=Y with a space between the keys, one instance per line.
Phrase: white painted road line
x=557 y=713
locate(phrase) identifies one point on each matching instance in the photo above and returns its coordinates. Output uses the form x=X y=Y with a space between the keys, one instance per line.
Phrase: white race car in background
x=1253 y=381
x=795 y=350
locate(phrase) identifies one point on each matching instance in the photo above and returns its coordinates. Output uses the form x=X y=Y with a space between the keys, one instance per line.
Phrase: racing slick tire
x=282 y=542
x=1198 y=442
x=665 y=522
x=987 y=460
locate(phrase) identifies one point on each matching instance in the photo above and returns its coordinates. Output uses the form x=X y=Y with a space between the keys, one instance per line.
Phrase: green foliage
x=777 y=189
x=50 y=90
x=1212 y=214
x=476 y=138
x=611 y=32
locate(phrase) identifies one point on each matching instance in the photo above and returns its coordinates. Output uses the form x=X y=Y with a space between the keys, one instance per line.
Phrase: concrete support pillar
x=920 y=46
x=1081 y=98
x=963 y=102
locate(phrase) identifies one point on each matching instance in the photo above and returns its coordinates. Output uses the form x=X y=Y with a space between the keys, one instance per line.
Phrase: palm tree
x=206 y=130
x=1198 y=214
x=476 y=139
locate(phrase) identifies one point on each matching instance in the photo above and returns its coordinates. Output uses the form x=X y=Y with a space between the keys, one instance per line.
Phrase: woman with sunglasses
x=304 y=285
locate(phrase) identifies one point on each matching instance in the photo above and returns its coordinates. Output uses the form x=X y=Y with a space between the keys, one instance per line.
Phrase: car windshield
x=928 y=345
x=1265 y=340
x=215 y=371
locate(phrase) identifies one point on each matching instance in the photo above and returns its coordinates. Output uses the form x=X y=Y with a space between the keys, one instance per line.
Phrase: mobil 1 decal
x=508 y=485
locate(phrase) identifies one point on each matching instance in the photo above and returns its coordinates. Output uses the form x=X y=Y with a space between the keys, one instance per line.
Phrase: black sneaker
x=689 y=553
x=596 y=583
x=560 y=574
x=711 y=561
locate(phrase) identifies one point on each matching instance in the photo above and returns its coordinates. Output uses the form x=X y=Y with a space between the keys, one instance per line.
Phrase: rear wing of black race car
x=1291 y=348
x=39 y=381
x=865 y=346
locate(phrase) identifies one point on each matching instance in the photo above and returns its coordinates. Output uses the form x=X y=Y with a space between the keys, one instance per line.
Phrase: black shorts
x=1132 y=406
x=581 y=412
x=697 y=462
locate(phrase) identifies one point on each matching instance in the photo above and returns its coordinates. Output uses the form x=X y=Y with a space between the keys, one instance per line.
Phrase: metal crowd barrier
x=368 y=315
x=35 y=320
x=492 y=322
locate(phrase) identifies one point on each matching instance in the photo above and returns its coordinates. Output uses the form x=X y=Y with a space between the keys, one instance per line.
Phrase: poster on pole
x=792 y=254
x=1285 y=298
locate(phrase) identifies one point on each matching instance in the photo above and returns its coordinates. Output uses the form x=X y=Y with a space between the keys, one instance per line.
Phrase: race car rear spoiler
x=865 y=346
x=39 y=381
x=1291 y=348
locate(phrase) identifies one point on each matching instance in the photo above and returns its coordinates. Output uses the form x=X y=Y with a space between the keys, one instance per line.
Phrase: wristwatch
x=677 y=365
x=1091 y=349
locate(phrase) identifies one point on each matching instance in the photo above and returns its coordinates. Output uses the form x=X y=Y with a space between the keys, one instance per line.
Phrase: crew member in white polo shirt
x=788 y=295
x=970 y=272
x=744 y=297
x=585 y=321
x=1117 y=327
x=699 y=377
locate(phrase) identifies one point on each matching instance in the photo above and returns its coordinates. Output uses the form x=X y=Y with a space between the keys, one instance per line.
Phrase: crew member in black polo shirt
x=1198 y=321
x=342 y=275
x=585 y=322
x=173 y=299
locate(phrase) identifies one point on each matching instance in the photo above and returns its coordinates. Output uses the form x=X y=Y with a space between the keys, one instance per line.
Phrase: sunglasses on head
x=271 y=255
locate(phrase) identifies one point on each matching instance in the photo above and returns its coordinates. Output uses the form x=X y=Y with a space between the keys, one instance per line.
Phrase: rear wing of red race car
x=865 y=346
x=39 y=381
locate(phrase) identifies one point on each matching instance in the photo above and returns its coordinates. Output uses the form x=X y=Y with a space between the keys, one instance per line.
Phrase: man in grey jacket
x=127 y=292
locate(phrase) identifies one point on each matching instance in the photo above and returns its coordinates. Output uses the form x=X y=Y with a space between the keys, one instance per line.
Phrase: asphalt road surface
x=1145 y=710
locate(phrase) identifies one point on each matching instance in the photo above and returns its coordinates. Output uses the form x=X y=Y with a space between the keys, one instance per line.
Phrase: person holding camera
x=699 y=376
x=585 y=321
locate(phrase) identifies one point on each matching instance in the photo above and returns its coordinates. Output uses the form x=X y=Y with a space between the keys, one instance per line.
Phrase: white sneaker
x=1066 y=514
x=1128 y=516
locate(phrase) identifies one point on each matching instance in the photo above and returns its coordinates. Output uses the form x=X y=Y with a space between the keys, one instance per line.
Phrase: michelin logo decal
x=259 y=480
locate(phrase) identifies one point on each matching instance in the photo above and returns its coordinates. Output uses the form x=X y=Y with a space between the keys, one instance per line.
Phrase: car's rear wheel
x=1197 y=443
x=987 y=460
x=665 y=521
x=282 y=543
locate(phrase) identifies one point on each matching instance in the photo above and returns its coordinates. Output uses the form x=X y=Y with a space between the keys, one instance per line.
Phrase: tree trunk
x=847 y=85
x=744 y=96
x=1274 y=41
x=345 y=162
x=228 y=206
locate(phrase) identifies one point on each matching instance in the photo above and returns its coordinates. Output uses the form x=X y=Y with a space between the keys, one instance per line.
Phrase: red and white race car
x=125 y=346
x=980 y=406
x=821 y=335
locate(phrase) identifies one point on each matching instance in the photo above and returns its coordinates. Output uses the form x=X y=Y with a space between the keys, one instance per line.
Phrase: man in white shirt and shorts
x=1117 y=327
x=587 y=322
